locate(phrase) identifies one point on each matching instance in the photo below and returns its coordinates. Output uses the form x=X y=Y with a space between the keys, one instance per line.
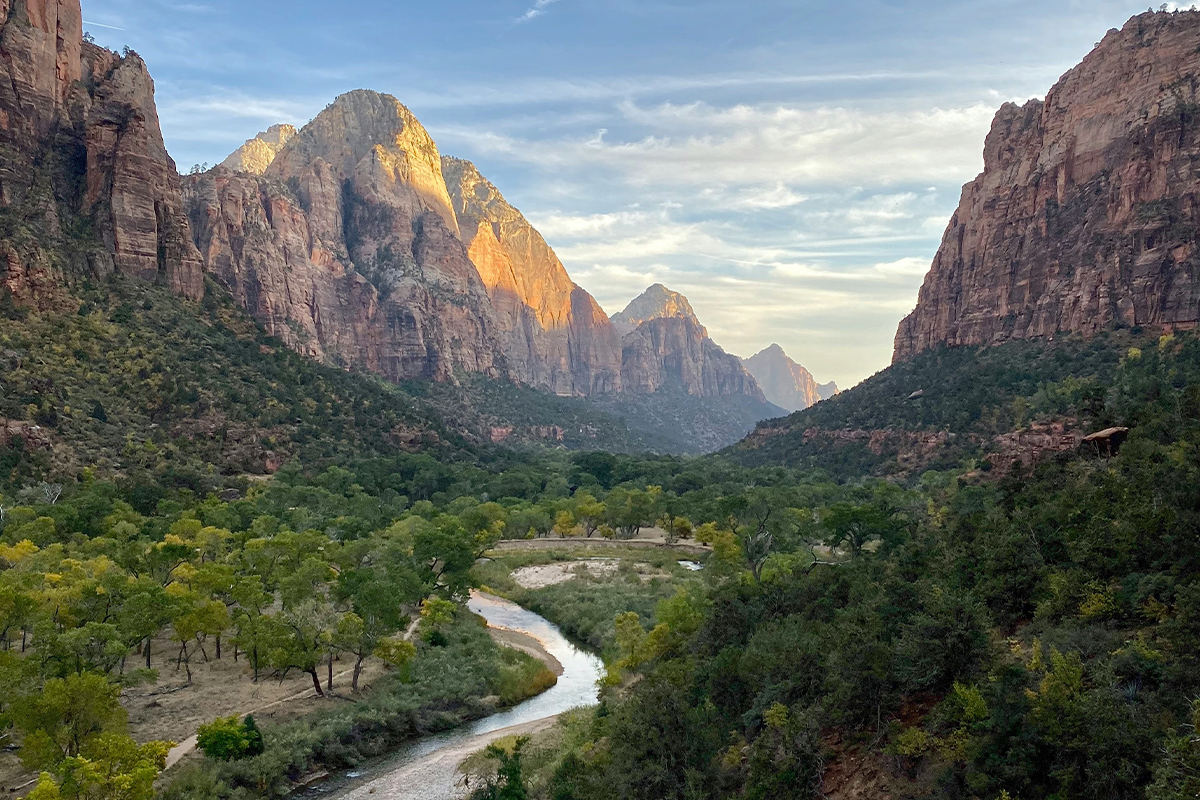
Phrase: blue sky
x=788 y=165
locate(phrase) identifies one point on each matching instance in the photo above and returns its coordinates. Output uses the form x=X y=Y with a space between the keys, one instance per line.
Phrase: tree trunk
x=23 y=632
x=200 y=642
x=316 y=681
x=187 y=663
x=218 y=647
x=357 y=671
x=329 y=682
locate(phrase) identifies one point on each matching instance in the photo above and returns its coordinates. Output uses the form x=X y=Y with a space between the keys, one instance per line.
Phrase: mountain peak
x=784 y=382
x=257 y=154
x=656 y=302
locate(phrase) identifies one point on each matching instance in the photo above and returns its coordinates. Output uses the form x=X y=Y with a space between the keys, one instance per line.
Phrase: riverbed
x=427 y=769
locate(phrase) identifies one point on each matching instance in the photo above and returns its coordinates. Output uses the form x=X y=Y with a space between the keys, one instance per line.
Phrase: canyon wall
x=1085 y=216
x=86 y=181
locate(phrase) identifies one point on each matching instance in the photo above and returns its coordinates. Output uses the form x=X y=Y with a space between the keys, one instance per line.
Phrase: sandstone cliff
x=258 y=153
x=82 y=149
x=1085 y=216
x=558 y=337
x=657 y=301
x=669 y=349
x=347 y=247
x=784 y=382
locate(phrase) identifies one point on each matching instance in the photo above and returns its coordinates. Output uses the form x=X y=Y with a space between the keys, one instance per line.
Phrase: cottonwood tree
x=305 y=633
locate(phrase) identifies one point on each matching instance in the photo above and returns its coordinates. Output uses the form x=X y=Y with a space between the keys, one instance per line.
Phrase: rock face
x=357 y=243
x=347 y=247
x=784 y=382
x=670 y=349
x=1085 y=216
x=657 y=301
x=81 y=144
x=258 y=153
x=557 y=336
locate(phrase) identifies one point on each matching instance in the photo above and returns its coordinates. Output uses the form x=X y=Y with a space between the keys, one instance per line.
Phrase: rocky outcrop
x=1086 y=214
x=669 y=349
x=784 y=382
x=656 y=302
x=81 y=144
x=41 y=46
x=258 y=153
x=347 y=247
x=557 y=336
x=133 y=188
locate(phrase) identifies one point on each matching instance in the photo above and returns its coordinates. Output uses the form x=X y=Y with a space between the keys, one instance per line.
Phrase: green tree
x=68 y=714
x=223 y=739
x=509 y=783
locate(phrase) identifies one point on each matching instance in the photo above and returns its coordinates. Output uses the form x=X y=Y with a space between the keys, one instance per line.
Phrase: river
x=427 y=769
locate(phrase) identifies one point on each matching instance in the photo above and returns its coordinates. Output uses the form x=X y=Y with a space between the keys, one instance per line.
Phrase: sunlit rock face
x=258 y=153
x=80 y=143
x=784 y=382
x=347 y=246
x=1085 y=215
x=656 y=302
x=557 y=336
x=669 y=349
x=356 y=242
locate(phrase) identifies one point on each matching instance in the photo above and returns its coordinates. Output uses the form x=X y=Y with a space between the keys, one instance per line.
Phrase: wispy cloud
x=536 y=10
x=769 y=147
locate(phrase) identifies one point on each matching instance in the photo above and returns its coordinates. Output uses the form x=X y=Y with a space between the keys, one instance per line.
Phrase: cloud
x=767 y=146
x=538 y=8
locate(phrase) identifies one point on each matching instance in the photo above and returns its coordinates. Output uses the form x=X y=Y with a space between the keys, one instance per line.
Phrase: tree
x=628 y=511
x=676 y=528
x=223 y=739
x=590 y=513
x=852 y=527
x=196 y=619
x=143 y=614
x=229 y=739
x=68 y=714
x=564 y=524
x=114 y=767
x=305 y=634
x=509 y=783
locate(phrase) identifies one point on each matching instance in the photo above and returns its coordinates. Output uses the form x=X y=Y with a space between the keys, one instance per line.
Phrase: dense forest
x=175 y=489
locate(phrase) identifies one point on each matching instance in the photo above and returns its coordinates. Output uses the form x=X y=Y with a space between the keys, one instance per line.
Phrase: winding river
x=427 y=769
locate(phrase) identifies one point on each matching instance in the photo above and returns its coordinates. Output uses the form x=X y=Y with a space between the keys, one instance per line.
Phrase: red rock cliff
x=558 y=337
x=75 y=115
x=1085 y=215
x=347 y=247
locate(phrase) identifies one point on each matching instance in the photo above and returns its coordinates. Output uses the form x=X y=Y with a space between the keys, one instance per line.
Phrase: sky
x=789 y=165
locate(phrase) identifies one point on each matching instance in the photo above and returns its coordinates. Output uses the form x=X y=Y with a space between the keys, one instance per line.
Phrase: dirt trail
x=189 y=744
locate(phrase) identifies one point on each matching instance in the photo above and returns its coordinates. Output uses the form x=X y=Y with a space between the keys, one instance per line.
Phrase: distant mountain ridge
x=784 y=382
x=656 y=302
x=351 y=240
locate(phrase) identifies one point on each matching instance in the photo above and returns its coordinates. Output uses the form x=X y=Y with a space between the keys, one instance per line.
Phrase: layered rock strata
x=670 y=349
x=1085 y=216
x=348 y=247
x=82 y=149
x=557 y=335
